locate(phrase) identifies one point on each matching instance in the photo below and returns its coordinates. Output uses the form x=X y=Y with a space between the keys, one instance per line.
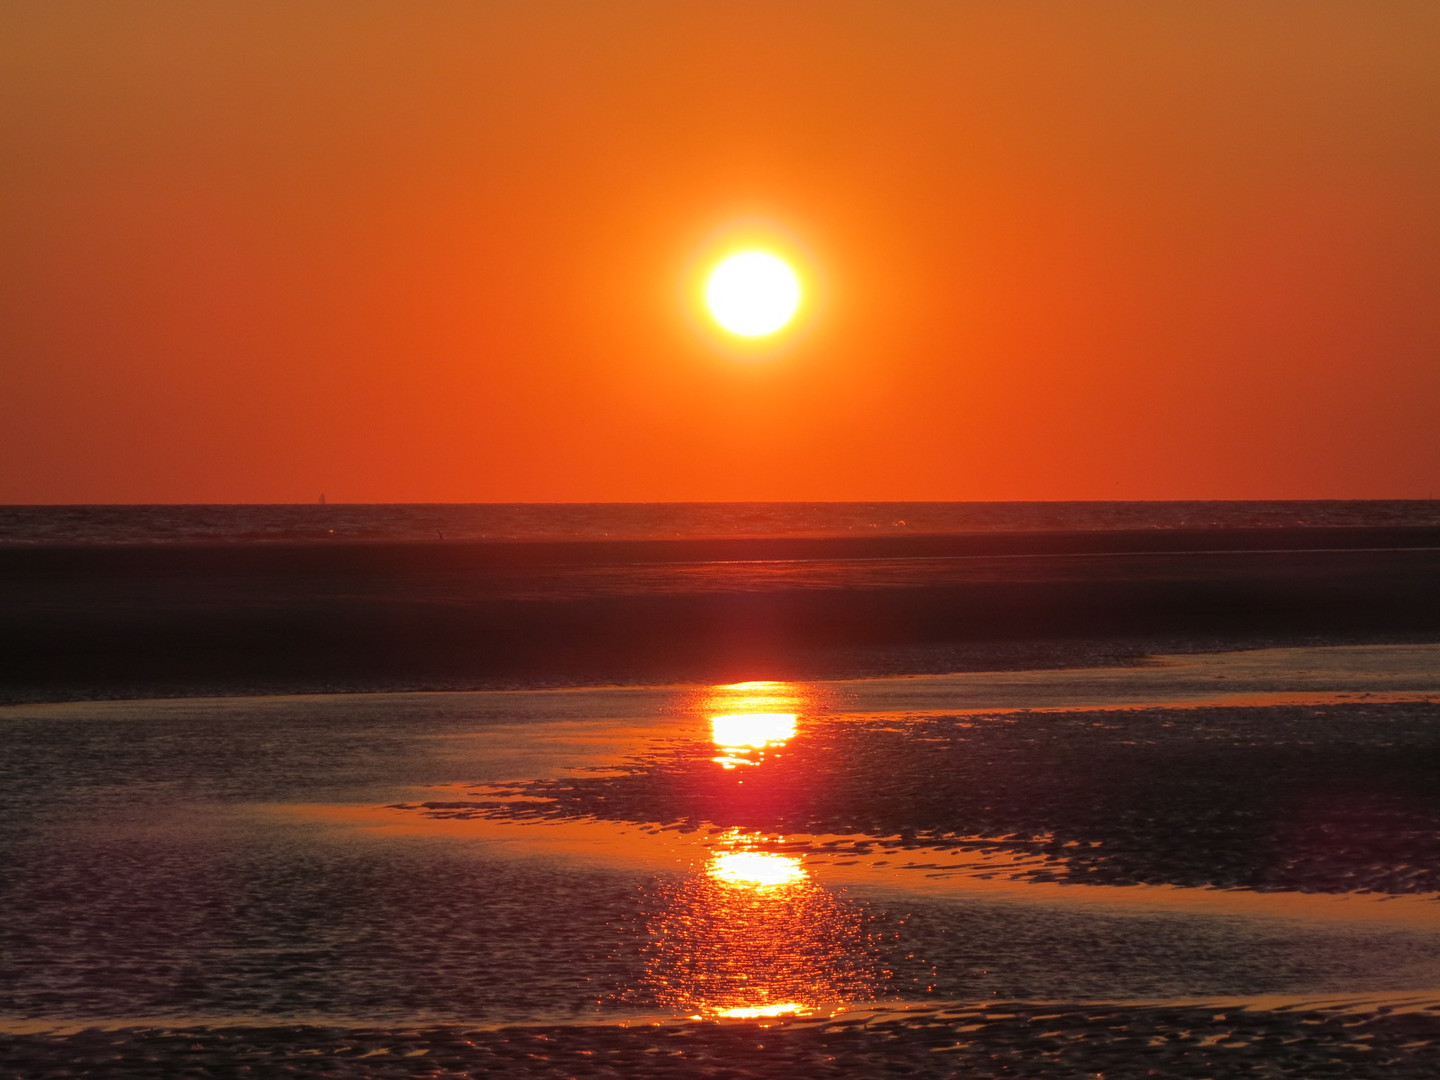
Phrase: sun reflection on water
x=755 y=869
x=751 y=935
x=749 y=718
x=785 y=1008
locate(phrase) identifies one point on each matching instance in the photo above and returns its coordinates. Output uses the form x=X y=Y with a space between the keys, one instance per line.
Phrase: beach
x=1058 y=806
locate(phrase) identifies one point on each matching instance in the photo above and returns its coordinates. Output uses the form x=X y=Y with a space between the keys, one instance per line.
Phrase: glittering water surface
x=754 y=935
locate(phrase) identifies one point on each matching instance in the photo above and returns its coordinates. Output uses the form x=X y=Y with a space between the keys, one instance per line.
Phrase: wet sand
x=1162 y=869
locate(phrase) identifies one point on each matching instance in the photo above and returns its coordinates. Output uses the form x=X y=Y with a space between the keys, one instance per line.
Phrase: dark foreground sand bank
x=135 y=621
x=1054 y=1041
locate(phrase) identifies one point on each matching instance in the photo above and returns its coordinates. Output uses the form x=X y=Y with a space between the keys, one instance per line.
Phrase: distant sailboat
x=322 y=499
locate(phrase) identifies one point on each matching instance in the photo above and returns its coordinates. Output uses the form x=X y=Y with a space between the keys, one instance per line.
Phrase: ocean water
x=648 y=521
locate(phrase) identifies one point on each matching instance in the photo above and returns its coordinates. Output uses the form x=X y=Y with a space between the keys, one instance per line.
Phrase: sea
x=418 y=522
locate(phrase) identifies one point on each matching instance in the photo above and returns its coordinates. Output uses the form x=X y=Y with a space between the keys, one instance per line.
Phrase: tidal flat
x=1201 y=865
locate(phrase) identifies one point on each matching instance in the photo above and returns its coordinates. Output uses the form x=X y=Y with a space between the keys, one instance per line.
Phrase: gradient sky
x=444 y=251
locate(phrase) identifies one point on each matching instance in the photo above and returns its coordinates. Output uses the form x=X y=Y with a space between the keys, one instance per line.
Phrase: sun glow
x=753 y=293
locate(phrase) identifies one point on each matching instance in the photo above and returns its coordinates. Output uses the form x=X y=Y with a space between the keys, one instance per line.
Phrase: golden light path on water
x=753 y=935
x=759 y=871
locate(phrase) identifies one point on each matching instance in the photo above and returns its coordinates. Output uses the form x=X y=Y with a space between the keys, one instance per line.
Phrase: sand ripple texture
x=1058 y=1042
x=1333 y=799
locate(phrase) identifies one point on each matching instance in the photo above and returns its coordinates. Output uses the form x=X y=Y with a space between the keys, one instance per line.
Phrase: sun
x=752 y=293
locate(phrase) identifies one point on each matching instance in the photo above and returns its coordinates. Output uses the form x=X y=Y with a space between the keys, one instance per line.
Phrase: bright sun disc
x=753 y=293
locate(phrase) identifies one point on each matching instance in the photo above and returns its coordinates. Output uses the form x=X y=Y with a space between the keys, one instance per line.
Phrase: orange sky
x=438 y=251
